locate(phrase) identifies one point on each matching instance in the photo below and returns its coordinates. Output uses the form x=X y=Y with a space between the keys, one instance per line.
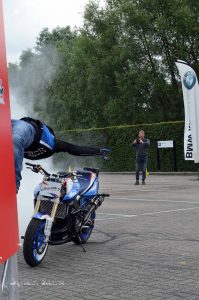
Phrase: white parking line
x=151 y=200
x=118 y=215
x=106 y=219
x=145 y=214
x=143 y=190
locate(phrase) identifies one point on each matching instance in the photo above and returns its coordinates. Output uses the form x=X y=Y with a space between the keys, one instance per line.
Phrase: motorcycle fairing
x=86 y=184
x=73 y=192
x=86 y=180
x=93 y=189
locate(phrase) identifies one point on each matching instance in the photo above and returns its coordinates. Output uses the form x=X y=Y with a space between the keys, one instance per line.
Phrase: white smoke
x=21 y=107
x=29 y=179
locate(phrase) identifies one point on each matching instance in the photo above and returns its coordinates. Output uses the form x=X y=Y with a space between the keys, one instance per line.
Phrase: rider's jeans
x=23 y=135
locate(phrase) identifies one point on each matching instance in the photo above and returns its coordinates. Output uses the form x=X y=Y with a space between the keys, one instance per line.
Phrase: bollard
x=10 y=279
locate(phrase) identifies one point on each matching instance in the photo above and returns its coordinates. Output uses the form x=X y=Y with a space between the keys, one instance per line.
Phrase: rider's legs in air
x=23 y=135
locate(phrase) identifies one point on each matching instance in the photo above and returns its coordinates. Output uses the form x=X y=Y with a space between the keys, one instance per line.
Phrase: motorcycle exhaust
x=95 y=202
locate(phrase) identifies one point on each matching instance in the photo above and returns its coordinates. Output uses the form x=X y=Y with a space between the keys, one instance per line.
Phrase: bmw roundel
x=189 y=80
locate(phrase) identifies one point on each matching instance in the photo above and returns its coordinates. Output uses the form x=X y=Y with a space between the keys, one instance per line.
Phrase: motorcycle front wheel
x=34 y=248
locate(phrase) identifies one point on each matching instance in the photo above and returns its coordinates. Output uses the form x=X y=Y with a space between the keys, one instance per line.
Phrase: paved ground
x=145 y=246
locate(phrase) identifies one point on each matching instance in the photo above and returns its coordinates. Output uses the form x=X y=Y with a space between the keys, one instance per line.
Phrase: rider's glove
x=104 y=153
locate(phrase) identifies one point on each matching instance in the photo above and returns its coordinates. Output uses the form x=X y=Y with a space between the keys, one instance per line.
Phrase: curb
x=154 y=173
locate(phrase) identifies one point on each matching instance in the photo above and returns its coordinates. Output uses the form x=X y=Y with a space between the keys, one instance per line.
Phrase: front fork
x=49 y=219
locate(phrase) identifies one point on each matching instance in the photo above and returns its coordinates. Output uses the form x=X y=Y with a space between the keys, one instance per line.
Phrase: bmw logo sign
x=189 y=80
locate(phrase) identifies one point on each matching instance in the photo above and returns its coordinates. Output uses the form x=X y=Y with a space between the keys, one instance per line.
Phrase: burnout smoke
x=31 y=81
x=24 y=104
x=29 y=179
x=27 y=95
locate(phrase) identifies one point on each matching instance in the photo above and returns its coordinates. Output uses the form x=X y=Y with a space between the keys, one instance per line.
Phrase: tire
x=33 y=249
x=86 y=232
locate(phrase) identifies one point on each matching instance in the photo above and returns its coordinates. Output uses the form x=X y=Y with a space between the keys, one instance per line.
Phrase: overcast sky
x=24 y=19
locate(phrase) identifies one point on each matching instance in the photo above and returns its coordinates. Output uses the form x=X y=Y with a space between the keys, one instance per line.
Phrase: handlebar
x=37 y=169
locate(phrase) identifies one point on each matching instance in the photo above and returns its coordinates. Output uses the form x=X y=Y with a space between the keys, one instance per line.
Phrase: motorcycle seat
x=96 y=171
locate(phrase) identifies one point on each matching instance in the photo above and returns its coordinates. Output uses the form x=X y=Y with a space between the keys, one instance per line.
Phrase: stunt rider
x=35 y=140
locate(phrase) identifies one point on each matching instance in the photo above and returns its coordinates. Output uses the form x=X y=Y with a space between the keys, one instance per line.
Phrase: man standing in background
x=141 y=145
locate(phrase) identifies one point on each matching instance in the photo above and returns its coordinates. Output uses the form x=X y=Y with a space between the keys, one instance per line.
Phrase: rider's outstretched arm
x=61 y=146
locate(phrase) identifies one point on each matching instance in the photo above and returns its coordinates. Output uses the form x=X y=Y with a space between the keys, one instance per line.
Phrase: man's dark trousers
x=141 y=165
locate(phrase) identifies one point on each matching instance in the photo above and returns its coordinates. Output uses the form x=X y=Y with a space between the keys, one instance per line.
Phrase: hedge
x=119 y=138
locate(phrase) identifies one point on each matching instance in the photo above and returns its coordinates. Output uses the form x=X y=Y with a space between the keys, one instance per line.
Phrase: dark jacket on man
x=142 y=149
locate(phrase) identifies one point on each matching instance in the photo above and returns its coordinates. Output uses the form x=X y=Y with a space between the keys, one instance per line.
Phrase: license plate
x=50 y=190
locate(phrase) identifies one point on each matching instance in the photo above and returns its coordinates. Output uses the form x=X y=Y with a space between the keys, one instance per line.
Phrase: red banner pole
x=9 y=238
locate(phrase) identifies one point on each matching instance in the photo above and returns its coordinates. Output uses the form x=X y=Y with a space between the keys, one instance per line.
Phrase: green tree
x=119 y=68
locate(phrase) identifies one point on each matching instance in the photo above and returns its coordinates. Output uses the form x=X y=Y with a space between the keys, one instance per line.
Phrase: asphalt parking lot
x=145 y=245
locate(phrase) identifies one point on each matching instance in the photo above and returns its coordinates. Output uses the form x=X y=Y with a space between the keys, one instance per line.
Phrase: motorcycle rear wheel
x=34 y=249
x=85 y=232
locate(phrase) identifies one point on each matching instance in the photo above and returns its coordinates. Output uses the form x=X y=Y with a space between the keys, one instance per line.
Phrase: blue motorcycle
x=65 y=211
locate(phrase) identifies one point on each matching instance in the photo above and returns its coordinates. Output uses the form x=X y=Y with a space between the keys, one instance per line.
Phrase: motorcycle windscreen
x=8 y=205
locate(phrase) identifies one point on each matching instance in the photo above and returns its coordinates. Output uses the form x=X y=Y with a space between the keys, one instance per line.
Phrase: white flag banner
x=190 y=90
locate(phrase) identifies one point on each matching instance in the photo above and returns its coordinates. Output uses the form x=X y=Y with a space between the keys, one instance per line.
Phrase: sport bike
x=65 y=211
